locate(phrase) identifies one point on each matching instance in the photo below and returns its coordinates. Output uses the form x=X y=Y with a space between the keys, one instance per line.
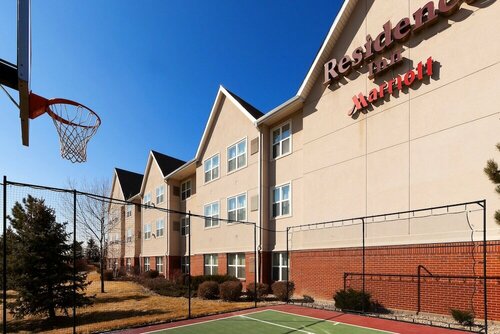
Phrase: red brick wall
x=320 y=273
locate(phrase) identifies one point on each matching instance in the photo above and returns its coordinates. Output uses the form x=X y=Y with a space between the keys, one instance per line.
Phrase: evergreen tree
x=43 y=269
x=92 y=253
x=493 y=173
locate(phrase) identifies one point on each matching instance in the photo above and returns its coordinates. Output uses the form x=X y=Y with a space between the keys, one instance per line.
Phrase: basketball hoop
x=76 y=124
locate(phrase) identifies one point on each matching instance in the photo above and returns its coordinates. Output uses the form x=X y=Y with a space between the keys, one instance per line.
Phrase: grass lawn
x=123 y=305
x=270 y=322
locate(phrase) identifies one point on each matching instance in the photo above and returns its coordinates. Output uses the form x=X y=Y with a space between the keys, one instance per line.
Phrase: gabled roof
x=130 y=182
x=246 y=108
x=165 y=163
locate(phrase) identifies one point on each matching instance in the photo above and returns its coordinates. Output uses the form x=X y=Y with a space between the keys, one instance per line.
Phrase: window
x=281 y=200
x=237 y=208
x=211 y=168
x=211 y=211
x=146 y=264
x=236 y=265
x=185 y=225
x=186 y=190
x=147 y=231
x=211 y=264
x=129 y=264
x=185 y=264
x=280 y=266
x=160 y=227
x=282 y=140
x=160 y=191
x=129 y=235
x=237 y=156
x=129 y=210
x=159 y=264
x=147 y=200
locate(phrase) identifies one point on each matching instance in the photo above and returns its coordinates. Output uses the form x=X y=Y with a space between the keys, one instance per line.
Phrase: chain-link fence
x=81 y=262
x=417 y=266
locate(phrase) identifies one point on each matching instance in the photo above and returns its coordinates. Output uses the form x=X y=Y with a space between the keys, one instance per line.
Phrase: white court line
x=277 y=325
x=335 y=322
x=201 y=322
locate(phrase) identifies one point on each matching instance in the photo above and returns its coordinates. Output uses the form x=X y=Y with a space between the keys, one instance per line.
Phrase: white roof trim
x=187 y=164
x=151 y=158
x=279 y=108
x=337 y=26
x=211 y=118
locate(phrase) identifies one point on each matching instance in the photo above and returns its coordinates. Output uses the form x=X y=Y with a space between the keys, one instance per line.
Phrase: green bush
x=208 y=290
x=151 y=274
x=262 y=290
x=197 y=280
x=353 y=300
x=165 y=288
x=465 y=318
x=108 y=275
x=307 y=299
x=281 y=291
x=230 y=291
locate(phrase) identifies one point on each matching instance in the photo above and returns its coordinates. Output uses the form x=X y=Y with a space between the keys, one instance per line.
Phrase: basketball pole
x=4 y=254
x=189 y=266
x=74 y=261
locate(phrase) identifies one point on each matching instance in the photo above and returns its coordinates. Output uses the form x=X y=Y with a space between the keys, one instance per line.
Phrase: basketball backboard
x=24 y=64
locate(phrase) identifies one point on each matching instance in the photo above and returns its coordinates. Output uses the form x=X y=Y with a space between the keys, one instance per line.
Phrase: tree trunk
x=102 y=267
x=52 y=311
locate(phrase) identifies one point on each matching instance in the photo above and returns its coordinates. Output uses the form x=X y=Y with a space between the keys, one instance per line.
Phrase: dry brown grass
x=125 y=304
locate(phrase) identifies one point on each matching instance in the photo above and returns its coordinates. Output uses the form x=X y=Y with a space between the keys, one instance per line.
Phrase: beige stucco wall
x=154 y=246
x=426 y=147
x=230 y=126
x=116 y=224
x=133 y=248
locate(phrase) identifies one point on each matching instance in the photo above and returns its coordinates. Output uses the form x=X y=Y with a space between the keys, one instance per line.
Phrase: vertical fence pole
x=4 y=285
x=74 y=261
x=255 y=263
x=288 y=266
x=485 y=271
x=189 y=267
x=364 y=265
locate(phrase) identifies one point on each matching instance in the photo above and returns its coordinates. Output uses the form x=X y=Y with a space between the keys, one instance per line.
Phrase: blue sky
x=151 y=70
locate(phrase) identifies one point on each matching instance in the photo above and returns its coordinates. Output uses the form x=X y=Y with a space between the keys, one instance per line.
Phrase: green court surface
x=269 y=322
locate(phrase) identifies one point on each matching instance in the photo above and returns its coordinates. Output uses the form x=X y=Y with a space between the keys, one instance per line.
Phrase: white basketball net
x=75 y=125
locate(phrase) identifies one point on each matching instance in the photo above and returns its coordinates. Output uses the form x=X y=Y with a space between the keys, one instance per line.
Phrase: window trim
x=129 y=208
x=129 y=238
x=156 y=264
x=246 y=156
x=146 y=203
x=289 y=121
x=280 y=266
x=204 y=161
x=163 y=228
x=186 y=218
x=162 y=194
x=186 y=263
x=218 y=222
x=150 y=231
x=290 y=214
x=237 y=265
x=190 y=188
x=246 y=207
x=148 y=263
x=211 y=265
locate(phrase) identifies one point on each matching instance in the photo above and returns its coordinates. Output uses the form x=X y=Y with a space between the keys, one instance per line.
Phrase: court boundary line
x=339 y=322
x=302 y=330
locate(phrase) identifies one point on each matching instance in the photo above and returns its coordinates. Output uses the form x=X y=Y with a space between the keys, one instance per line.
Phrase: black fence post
x=4 y=285
x=189 y=266
x=363 y=265
x=485 y=271
x=74 y=261
x=287 y=267
x=255 y=263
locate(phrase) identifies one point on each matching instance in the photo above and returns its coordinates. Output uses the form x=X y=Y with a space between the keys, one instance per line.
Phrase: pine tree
x=92 y=253
x=493 y=173
x=43 y=269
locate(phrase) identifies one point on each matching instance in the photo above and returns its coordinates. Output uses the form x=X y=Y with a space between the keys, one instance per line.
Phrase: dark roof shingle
x=256 y=113
x=129 y=181
x=167 y=163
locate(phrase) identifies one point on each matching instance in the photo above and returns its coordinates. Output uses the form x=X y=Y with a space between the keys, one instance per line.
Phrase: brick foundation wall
x=320 y=273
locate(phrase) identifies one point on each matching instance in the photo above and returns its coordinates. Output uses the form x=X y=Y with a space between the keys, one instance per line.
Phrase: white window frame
x=237 y=208
x=212 y=268
x=185 y=190
x=212 y=168
x=160 y=194
x=129 y=235
x=281 y=154
x=129 y=210
x=289 y=214
x=185 y=225
x=160 y=227
x=238 y=154
x=128 y=264
x=212 y=223
x=236 y=265
x=282 y=264
x=147 y=200
x=185 y=264
x=159 y=266
x=146 y=264
x=147 y=231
